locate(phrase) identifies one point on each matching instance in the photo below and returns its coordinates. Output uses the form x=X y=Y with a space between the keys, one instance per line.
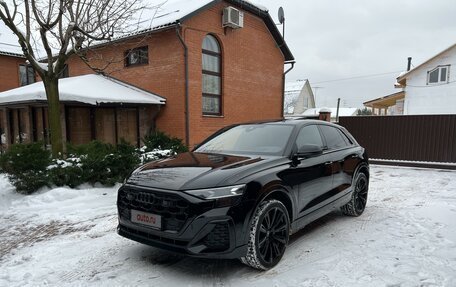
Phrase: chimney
x=325 y=114
x=409 y=63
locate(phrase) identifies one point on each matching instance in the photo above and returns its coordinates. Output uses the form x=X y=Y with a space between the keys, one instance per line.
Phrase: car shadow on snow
x=217 y=268
x=316 y=226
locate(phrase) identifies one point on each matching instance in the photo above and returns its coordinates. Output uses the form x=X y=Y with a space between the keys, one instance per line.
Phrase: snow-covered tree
x=62 y=28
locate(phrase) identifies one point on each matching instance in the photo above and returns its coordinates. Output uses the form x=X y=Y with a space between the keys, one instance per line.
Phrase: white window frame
x=439 y=77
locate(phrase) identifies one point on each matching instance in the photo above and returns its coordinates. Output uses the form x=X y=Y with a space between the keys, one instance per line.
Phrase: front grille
x=218 y=239
x=173 y=209
x=145 y=235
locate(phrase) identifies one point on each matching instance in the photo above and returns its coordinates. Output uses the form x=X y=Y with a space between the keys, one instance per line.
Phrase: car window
x=309 y=135
x=346 y=138
x=334 y=139
x=266 y=139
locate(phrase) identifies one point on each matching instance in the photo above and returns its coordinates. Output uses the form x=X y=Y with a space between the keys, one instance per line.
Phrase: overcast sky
x=334 y=40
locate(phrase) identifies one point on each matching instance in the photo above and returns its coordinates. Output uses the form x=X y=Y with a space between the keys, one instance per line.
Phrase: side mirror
x=309 y=150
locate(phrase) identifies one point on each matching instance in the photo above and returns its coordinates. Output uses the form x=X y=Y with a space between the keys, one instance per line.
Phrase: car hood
x=199 y=170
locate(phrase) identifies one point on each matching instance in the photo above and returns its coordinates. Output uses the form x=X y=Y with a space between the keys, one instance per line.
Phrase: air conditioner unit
x=233 y=18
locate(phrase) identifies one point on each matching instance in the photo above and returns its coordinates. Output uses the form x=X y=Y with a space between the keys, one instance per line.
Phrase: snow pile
x=406 y=237
x=7 y=193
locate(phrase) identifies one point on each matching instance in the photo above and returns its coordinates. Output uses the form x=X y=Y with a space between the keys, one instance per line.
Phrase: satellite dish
x=281 y=15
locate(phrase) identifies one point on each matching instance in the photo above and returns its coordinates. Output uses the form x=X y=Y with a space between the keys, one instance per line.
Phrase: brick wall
x=9 y=72
x=252 y=68
x=164 y=75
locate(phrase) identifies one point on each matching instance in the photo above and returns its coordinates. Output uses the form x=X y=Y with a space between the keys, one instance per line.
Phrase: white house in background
x=430 y=88
x=298 y=97
x=343 y=112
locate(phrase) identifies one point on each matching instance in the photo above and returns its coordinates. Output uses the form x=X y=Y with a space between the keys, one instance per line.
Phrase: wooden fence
x=430 y=138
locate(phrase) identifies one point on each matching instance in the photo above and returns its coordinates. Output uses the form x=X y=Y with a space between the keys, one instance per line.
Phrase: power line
x=358 y=77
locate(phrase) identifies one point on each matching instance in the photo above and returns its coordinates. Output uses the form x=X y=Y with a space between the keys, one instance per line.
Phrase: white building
x=430 y=88
x=298 y=97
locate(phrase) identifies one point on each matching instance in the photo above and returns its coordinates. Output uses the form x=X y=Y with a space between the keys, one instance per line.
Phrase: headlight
x=218 y=192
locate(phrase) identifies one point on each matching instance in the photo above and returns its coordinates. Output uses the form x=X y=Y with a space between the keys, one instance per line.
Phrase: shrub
x=120 y=163
x=29 y=166
x=26 y=166
x=93 y=162
x=67 y=172
x=105 y=163
x=154 y=154
x=160 y=141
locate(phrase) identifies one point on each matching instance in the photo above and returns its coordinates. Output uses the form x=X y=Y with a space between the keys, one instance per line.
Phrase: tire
x=269 y=234
x=357 y=203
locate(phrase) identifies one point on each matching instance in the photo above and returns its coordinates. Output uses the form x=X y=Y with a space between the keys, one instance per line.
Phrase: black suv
x=244 y=190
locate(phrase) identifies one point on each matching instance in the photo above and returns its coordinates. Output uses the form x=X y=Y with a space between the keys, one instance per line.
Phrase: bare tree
x=63 y=28
x=289 y=103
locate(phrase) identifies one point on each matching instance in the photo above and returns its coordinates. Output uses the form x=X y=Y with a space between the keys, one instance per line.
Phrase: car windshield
x=267 y=139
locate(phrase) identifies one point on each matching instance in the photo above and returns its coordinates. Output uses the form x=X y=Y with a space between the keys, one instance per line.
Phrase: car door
x=312 y=175
x=342 y=156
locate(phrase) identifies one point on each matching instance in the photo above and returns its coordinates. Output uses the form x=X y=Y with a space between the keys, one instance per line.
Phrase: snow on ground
x=406 y=237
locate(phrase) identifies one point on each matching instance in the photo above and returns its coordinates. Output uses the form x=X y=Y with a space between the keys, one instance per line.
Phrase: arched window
x=212 y=76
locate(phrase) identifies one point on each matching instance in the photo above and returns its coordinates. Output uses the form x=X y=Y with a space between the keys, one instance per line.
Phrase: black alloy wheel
x=361 y=194
x=357 y=204
x=269 y=235
x=272 y=235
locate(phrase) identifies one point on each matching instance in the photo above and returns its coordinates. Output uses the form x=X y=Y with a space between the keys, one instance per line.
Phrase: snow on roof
x=172 y=12
x=261 y=7
x=8 y=42
x=295 y=86
x=293 y=89
x=90 y=89
x=402 y=76
x=10 y=49
x=343 y=112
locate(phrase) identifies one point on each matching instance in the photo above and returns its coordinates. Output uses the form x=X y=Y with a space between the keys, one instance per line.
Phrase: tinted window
x=333 y=137
x=309 y=135
x=346 y=138
x=250 y=139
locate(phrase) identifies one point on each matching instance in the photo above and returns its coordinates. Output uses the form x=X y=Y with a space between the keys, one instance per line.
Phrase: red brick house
x=212 y=72
x=10 y=66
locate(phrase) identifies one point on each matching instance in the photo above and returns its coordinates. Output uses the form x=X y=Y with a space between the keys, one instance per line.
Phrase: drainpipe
x=187 y=124
x=283 y=83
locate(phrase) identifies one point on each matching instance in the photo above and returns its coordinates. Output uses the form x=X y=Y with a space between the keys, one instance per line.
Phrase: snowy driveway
x=406 y=237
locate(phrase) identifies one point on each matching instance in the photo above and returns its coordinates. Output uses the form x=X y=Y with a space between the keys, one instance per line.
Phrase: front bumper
x=192 y=226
